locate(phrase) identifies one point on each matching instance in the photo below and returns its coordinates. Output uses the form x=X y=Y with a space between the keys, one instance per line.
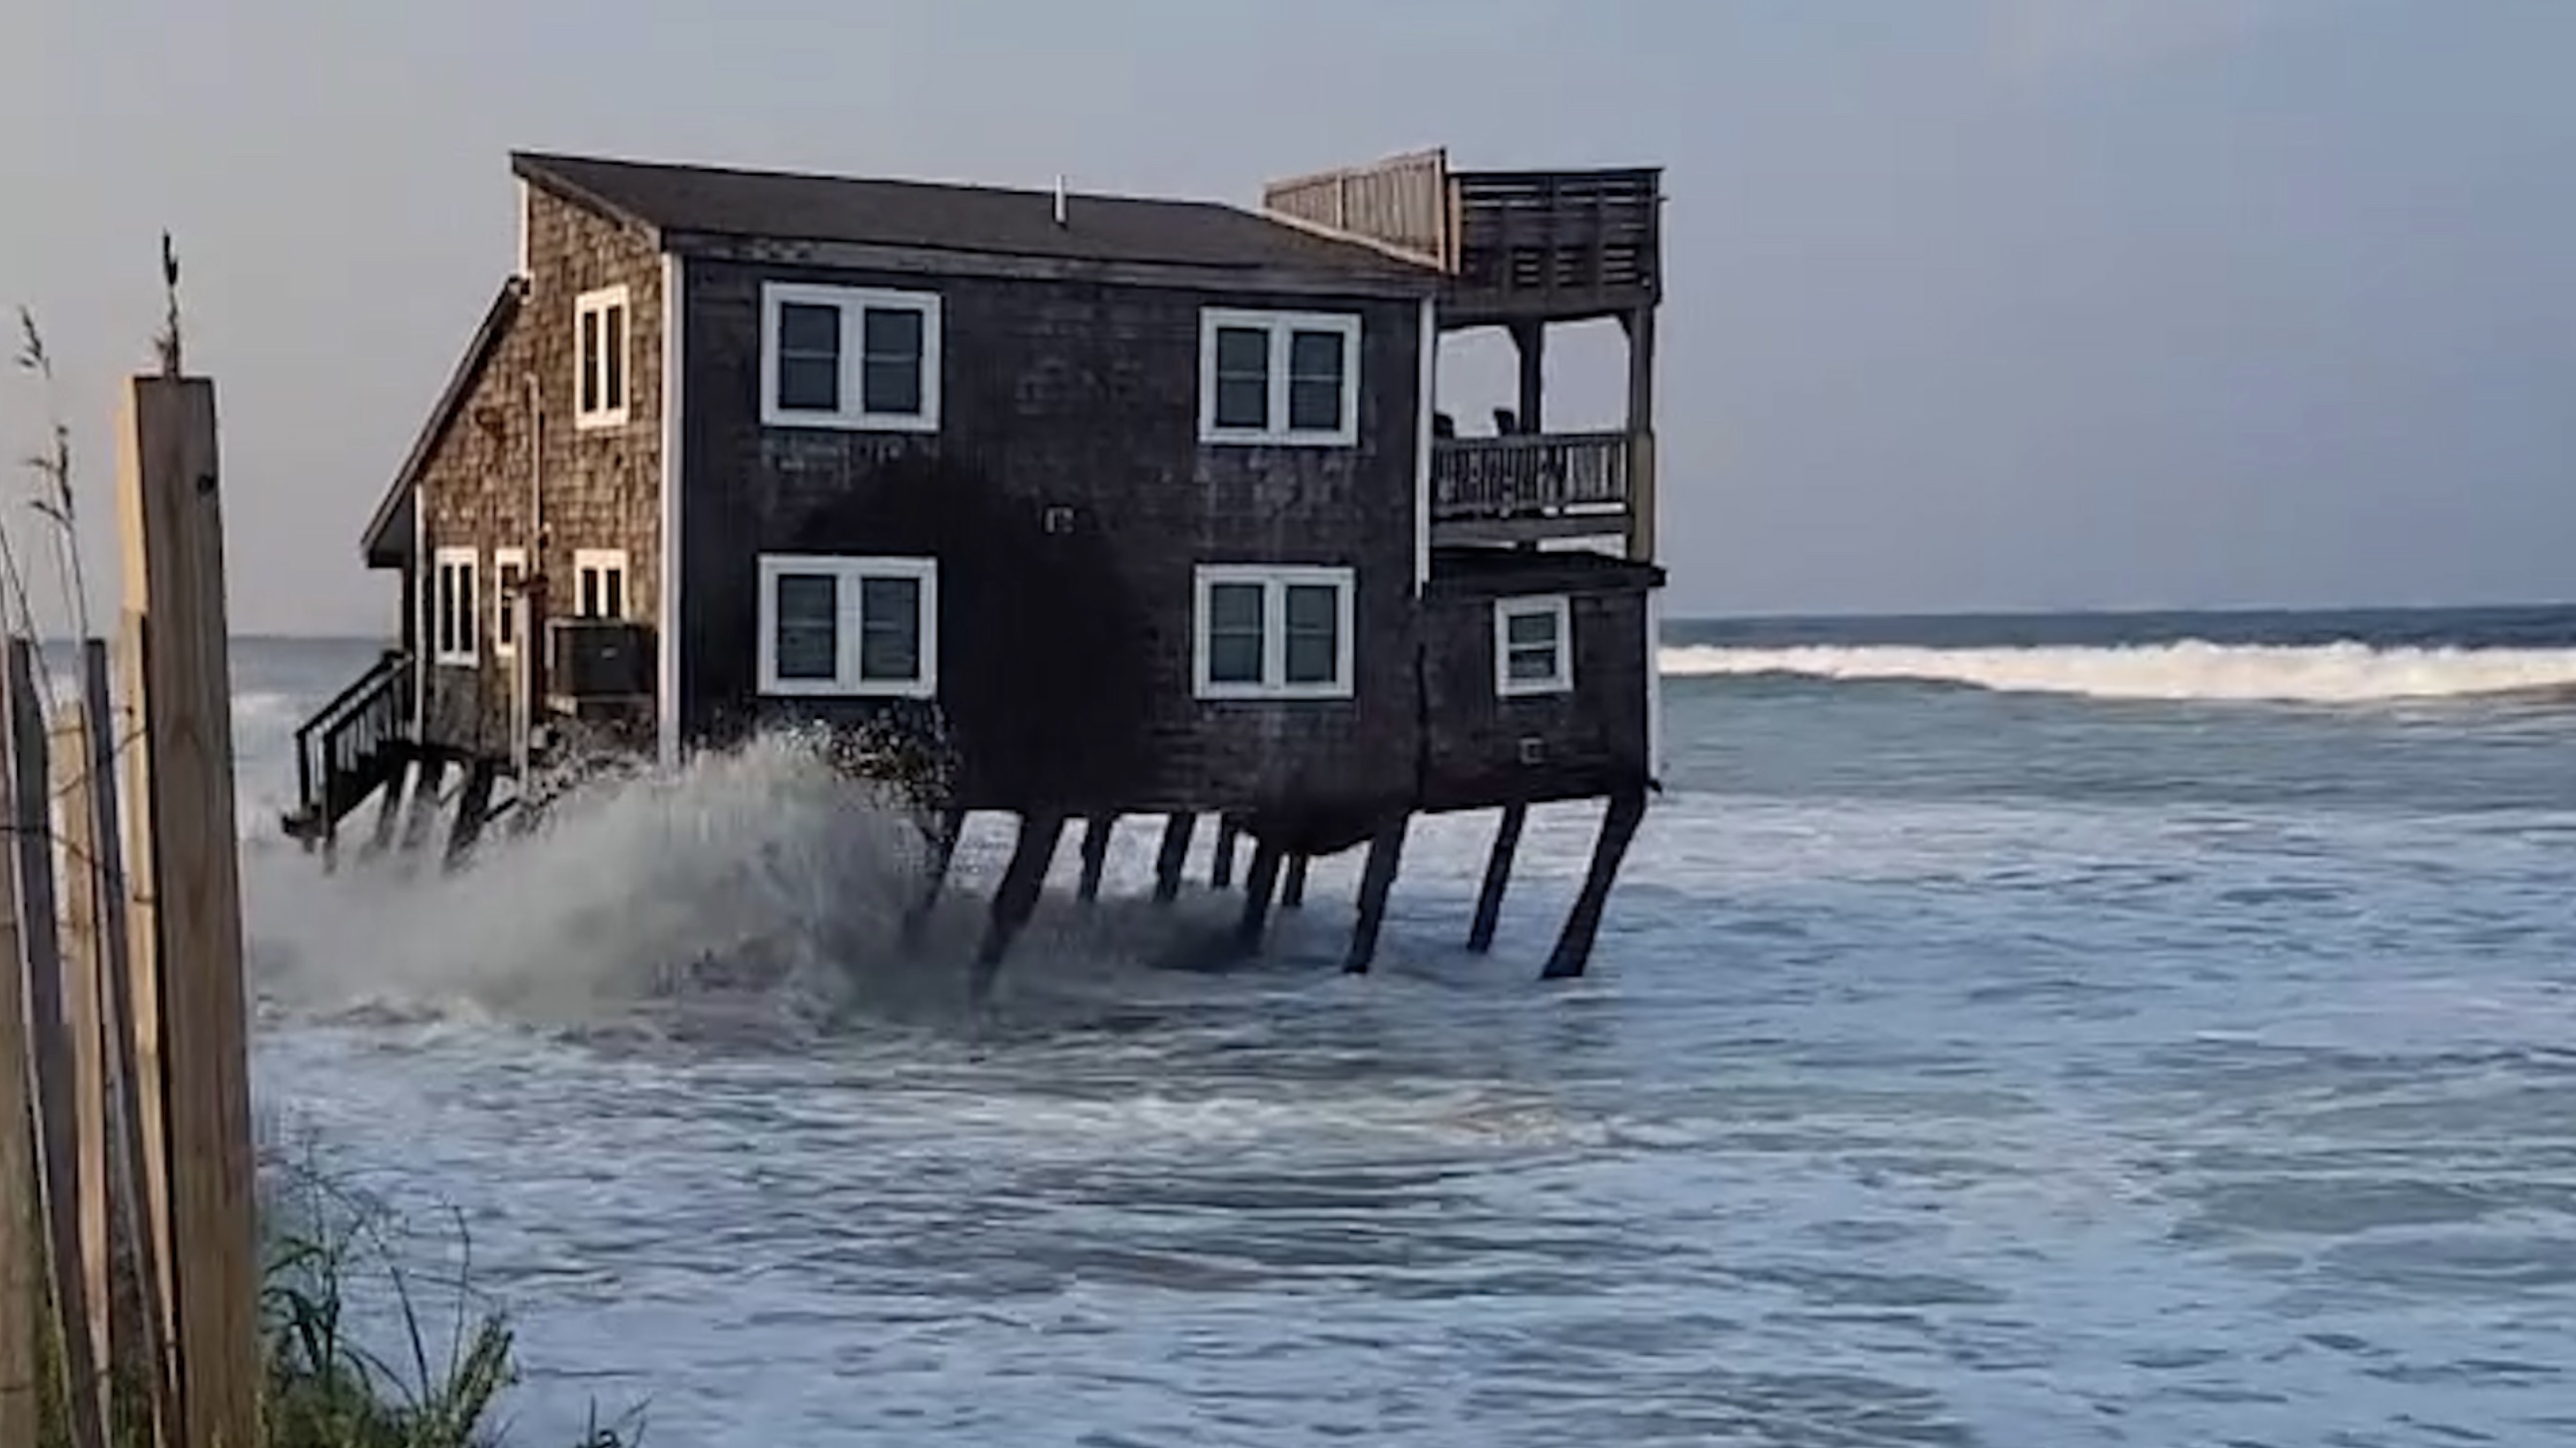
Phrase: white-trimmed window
x=1279 y=377
x=600 y=356
x=1273 y=631
x=509 y=576
x=453 y=632
x=1533 y=646
x=843 y=626
x=849 y=357
x=599 y=582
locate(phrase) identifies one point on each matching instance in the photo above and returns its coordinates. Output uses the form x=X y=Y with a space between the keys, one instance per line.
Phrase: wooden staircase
x=351 y=748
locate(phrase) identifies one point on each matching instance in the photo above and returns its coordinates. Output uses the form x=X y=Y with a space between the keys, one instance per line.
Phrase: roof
x=388 y=539
x=683 y=202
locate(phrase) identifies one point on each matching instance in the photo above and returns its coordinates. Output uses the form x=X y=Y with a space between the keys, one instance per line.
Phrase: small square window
x=1278 y=378
x=1533 y=646
x=455 y=625
x=599 y=582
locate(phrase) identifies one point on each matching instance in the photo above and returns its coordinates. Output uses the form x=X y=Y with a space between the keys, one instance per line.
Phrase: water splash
x=2192 y=669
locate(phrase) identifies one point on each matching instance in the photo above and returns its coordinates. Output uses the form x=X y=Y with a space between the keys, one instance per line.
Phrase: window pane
x=891 y=385
x=589 y=593
x=1314 y=629
x=613 y=394
x=1234 y=633
x=1315 y=381
x=1242 y=377
x=892 y=332
x=1537 y=662
x=808 y=642
x=590 y=362
x=612 y=594
x=1530 y=628
x=809 y=358
x=889 y=628
x=446 y=607
x=505 y=624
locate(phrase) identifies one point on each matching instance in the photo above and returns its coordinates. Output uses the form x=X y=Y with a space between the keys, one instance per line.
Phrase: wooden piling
x=1377 y=882
x=389 y=811
x=1292 y=884
x=51 y=1031
x=1259 y=885
x=424 y=802
x=939 y=840
x=1498 y=877
x=473 y=810
x=85 y=1016
x=1221 y=864
x=1582 y=923
x=1017 y=897
x=1095 y=856
x=1173 y=857
x=187 y=929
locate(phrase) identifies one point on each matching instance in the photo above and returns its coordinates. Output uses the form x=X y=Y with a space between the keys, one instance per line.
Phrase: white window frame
x=849 y=572
x=1282 y=327
x=602 y=561
x=1275 y=579
x=1554 y=606
x=599 y=304
x=505 y=609
x=854 y=304
x=469 y=620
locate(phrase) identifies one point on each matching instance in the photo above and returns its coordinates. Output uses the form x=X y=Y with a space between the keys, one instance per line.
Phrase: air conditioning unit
x=598 y=661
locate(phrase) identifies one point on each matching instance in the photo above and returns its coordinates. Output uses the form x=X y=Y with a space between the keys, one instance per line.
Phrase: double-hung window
x=849 y=357
x=1533 y=646
x=1273 y=631
x=453 y=620
x=1279 y=377
x=599 y=582
x=832 y=625
x=600 y=358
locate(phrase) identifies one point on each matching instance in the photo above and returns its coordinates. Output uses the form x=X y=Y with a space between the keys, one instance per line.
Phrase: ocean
x=2028 y=1032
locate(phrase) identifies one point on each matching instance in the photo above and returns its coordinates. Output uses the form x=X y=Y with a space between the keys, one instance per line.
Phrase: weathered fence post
x=22 y=1234
x=187 y=931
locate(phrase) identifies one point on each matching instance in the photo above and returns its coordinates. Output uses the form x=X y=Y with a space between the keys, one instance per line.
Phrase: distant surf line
x=2183 y=670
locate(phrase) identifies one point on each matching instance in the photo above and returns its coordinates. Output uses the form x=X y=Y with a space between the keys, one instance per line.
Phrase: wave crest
x=2189 y=669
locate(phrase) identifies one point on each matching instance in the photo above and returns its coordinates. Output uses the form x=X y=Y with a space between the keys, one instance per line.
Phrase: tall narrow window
x=599 y=582
x=454 y=633
x=1533 y=646
x=861 y=358
x=1279 y=378
x=1273 y=631
x=599 y=358
x=509 y=576
x=849 y=626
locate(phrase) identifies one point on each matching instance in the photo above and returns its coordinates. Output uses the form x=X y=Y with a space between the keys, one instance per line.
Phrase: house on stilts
x=1123 y=506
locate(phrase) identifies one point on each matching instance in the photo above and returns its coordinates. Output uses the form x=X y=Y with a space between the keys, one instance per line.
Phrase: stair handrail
x=388 y=671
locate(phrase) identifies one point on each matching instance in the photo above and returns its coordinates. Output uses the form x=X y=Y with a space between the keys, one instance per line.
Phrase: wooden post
x=1292 y=885
x=187 y=929
x=1221 y=865
x=1259 y=884
x=1530 y=340
x=1640 y=326
x=1174 y=856
x=1095 y=855
x=473 y=808
x=1017 y=898
x=1377 y=881
x=424 y=802
x=85 y=1012
x=389 y=812
x=941 y=839
x=1582 y=923
x=138 y=1331
x=50 y=1031
x=1498 y=876
x=22 y=1238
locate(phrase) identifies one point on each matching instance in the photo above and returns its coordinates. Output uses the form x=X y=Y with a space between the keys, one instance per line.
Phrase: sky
x=1971 y=304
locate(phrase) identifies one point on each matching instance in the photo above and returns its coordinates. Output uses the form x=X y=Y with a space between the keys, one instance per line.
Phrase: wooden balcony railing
x=1540 y=475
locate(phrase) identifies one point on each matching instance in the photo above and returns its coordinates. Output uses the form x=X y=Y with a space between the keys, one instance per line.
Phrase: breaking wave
x=2191 y=669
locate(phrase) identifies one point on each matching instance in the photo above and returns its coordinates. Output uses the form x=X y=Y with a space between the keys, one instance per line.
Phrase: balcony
x=1524 y=488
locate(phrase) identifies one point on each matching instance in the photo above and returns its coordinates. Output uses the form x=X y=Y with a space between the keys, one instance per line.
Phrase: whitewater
x=2038 y=1032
